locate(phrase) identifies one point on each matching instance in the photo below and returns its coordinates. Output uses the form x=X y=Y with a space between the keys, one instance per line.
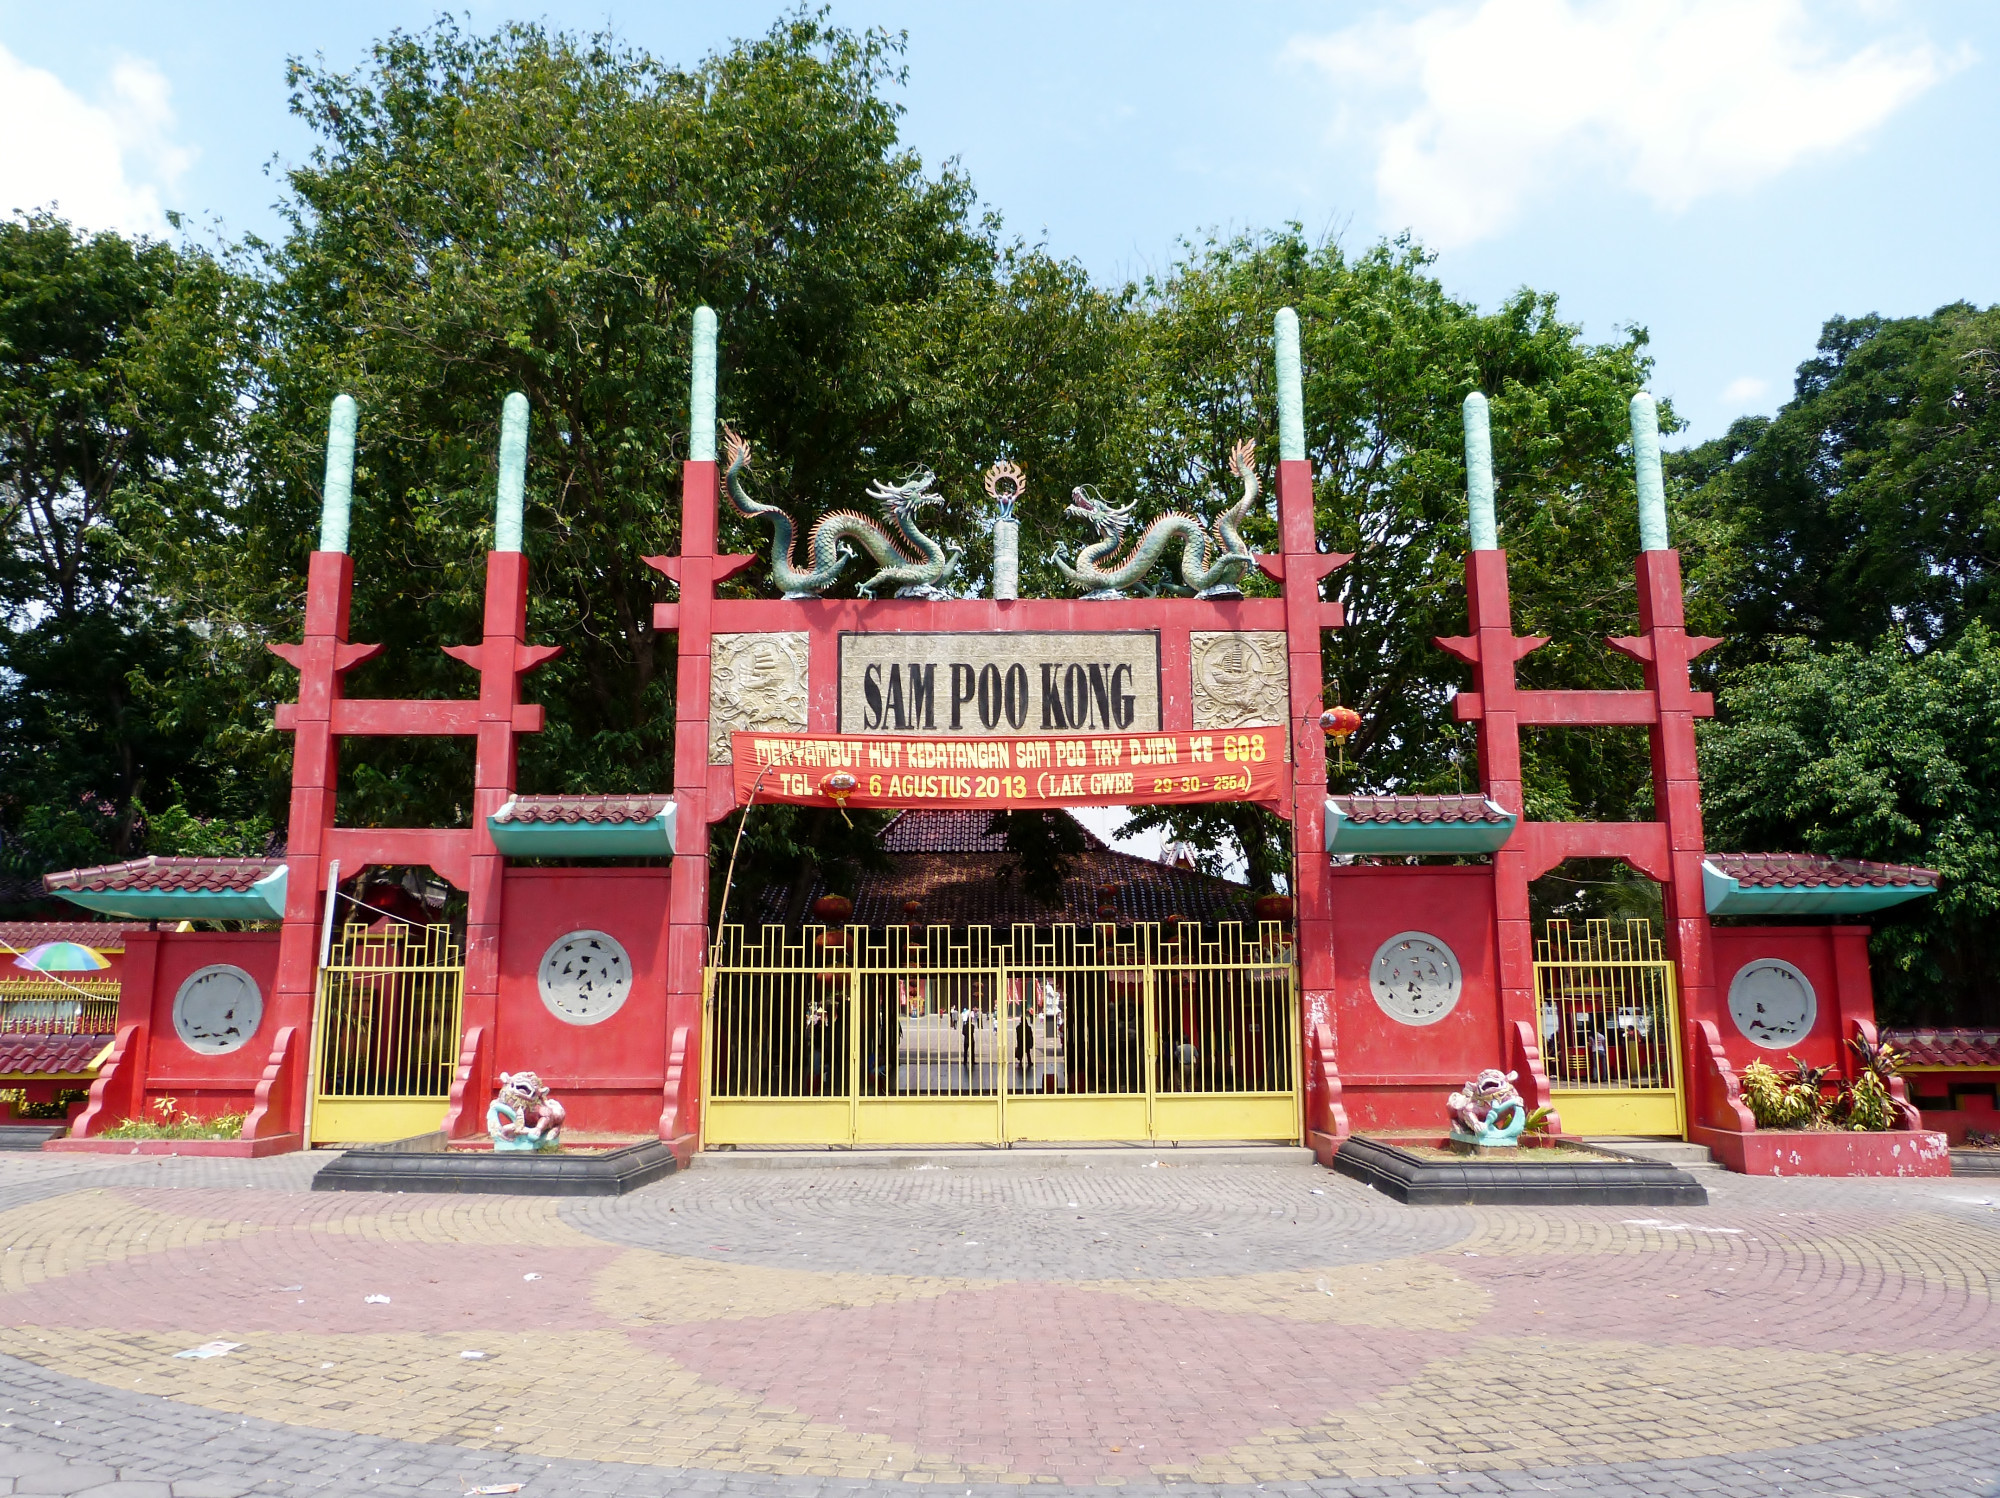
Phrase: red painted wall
x=202 y=1085
x=608 y=1075
x=1835 y=962
x=1395 y=1075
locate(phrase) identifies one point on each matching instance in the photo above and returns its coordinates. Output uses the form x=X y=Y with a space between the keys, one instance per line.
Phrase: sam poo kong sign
x=1154 y=768
x=1015 y=682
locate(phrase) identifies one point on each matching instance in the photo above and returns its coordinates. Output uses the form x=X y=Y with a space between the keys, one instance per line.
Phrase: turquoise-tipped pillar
x=701 y=392
x=1291 y=389
x=513 y=473
x=1483 y=520
x=337 y=495
x=1652 y=486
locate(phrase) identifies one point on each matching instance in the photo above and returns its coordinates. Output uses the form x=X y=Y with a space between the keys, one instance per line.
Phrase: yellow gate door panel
x=1249 y=1118
x=927 y=1120
x=954 y=1036
x=1610 y=1028
x=780 y=1121
x=1616 y=1111
x=385 y=1034
x=1055 y=1118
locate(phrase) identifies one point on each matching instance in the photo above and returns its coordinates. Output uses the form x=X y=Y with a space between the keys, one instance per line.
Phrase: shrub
x=172 y=1123
x=1775 y=1101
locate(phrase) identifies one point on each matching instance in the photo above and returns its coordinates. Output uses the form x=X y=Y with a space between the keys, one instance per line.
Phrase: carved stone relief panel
x=756 y=683
x=1239 y=678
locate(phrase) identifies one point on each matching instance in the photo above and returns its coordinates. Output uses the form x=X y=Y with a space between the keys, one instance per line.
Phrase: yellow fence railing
x=957 y=1035
x=386 y=1032
x=1610 y=1028
x=76 y=1006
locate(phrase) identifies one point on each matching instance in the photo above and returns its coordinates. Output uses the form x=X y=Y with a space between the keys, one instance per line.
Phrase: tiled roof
x=1424 y=809
x=976 y=886
x=221 y=874
x=1967 y=1048
x=105 y=936
x=48 y=1055
x=950 y=832
x=599 y=810
x=1810 y=871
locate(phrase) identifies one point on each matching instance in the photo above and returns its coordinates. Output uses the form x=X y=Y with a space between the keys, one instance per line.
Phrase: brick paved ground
x=1198 y=1327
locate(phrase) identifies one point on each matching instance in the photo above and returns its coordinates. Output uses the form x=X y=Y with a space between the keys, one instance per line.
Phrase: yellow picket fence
x=386 y=1033
x=1610 y=1029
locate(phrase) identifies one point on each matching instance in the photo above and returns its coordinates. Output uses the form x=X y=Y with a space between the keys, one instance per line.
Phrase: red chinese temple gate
x=1400 y=978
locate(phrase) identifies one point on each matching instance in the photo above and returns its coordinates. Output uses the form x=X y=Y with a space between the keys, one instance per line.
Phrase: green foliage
x=171 y=1122
x=1774 y=1101
x=1869 y=507
x=1864 y=1105
x=120 y=362
x=1885 y=755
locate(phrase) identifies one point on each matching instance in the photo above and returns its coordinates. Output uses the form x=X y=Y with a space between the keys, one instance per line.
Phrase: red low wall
x=608 y=1075
x=1393 y=1075
x=1834 y=960
x=1901 y=1152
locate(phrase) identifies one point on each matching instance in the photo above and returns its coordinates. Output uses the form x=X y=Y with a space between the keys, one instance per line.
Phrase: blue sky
x=1726 y=173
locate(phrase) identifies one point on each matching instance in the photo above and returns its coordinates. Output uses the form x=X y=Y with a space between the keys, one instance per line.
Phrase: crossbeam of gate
x=900 y=1035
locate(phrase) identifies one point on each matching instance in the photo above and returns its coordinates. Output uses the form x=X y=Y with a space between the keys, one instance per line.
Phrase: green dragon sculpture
x=1204 y=576
x=830 y=545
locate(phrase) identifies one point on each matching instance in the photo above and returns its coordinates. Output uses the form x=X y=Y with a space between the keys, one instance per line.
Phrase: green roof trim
x=651 y=838
x=262 y=901
x=1726 y=895
x=1344 y=834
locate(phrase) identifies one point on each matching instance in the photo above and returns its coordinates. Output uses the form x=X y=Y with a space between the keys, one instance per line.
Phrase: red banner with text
x=1238 y=764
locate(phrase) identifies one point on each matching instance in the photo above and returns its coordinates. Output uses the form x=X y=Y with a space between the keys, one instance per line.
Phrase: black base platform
x=29 y=1136
x=424 y=1164
x=1615 y=1180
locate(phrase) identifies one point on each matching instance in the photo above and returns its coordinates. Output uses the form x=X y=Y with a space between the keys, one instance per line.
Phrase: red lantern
x=1339 y=724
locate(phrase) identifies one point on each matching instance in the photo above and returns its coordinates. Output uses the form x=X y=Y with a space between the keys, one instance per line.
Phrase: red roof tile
x=1424 y=809
x=599 y=810
x=1811 y=871
x=230 y=874
x=951 y=832
x=958 y=875
x=105 y=936
x=1972 y=1049
x=48 y=1055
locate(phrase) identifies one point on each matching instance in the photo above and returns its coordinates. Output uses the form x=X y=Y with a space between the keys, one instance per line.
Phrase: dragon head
x=906 y=498
x=1087 y=504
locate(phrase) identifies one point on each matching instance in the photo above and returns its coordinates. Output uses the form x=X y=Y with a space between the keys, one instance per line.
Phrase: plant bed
x=1558 y=1173
x=425 y=1163
x=231 y=1149
x=1829 y=1152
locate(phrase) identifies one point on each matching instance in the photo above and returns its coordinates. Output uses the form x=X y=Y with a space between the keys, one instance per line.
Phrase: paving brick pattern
x=1138 y=1326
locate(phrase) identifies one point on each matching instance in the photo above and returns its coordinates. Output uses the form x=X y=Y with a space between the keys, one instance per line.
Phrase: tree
x=120 y=364
x=1882 y=754
x=1870 y=505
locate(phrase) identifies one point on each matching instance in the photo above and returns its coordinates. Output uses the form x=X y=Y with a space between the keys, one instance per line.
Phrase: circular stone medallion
x=584 y=977
x=217 y=1009
x=1415 y=978
x=1773 y=1003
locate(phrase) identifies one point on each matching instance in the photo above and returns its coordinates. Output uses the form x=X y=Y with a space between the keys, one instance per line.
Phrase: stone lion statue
x=1487 y=1110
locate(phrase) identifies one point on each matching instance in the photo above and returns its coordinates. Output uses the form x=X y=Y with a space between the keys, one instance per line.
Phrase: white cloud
x=1744 y=389
x=102 y=165
x=1478 y=110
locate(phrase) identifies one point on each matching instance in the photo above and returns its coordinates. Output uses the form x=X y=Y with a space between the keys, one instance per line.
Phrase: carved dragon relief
x=1203 y=575
x=831 y=544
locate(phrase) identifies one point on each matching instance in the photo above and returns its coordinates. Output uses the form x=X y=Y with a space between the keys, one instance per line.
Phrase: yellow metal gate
x=386 y=1033
x=1610 y=1029
x=902 y=1036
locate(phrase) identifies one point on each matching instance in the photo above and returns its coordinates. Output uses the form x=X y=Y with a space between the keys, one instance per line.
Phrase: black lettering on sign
x=1100 y=695
x=923 y=698
x=1122 y=700
x=1054 y=720
x=962 y=677
x=989 y=696
x=894 y=710
x=1017 y=696
x=871 y=688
